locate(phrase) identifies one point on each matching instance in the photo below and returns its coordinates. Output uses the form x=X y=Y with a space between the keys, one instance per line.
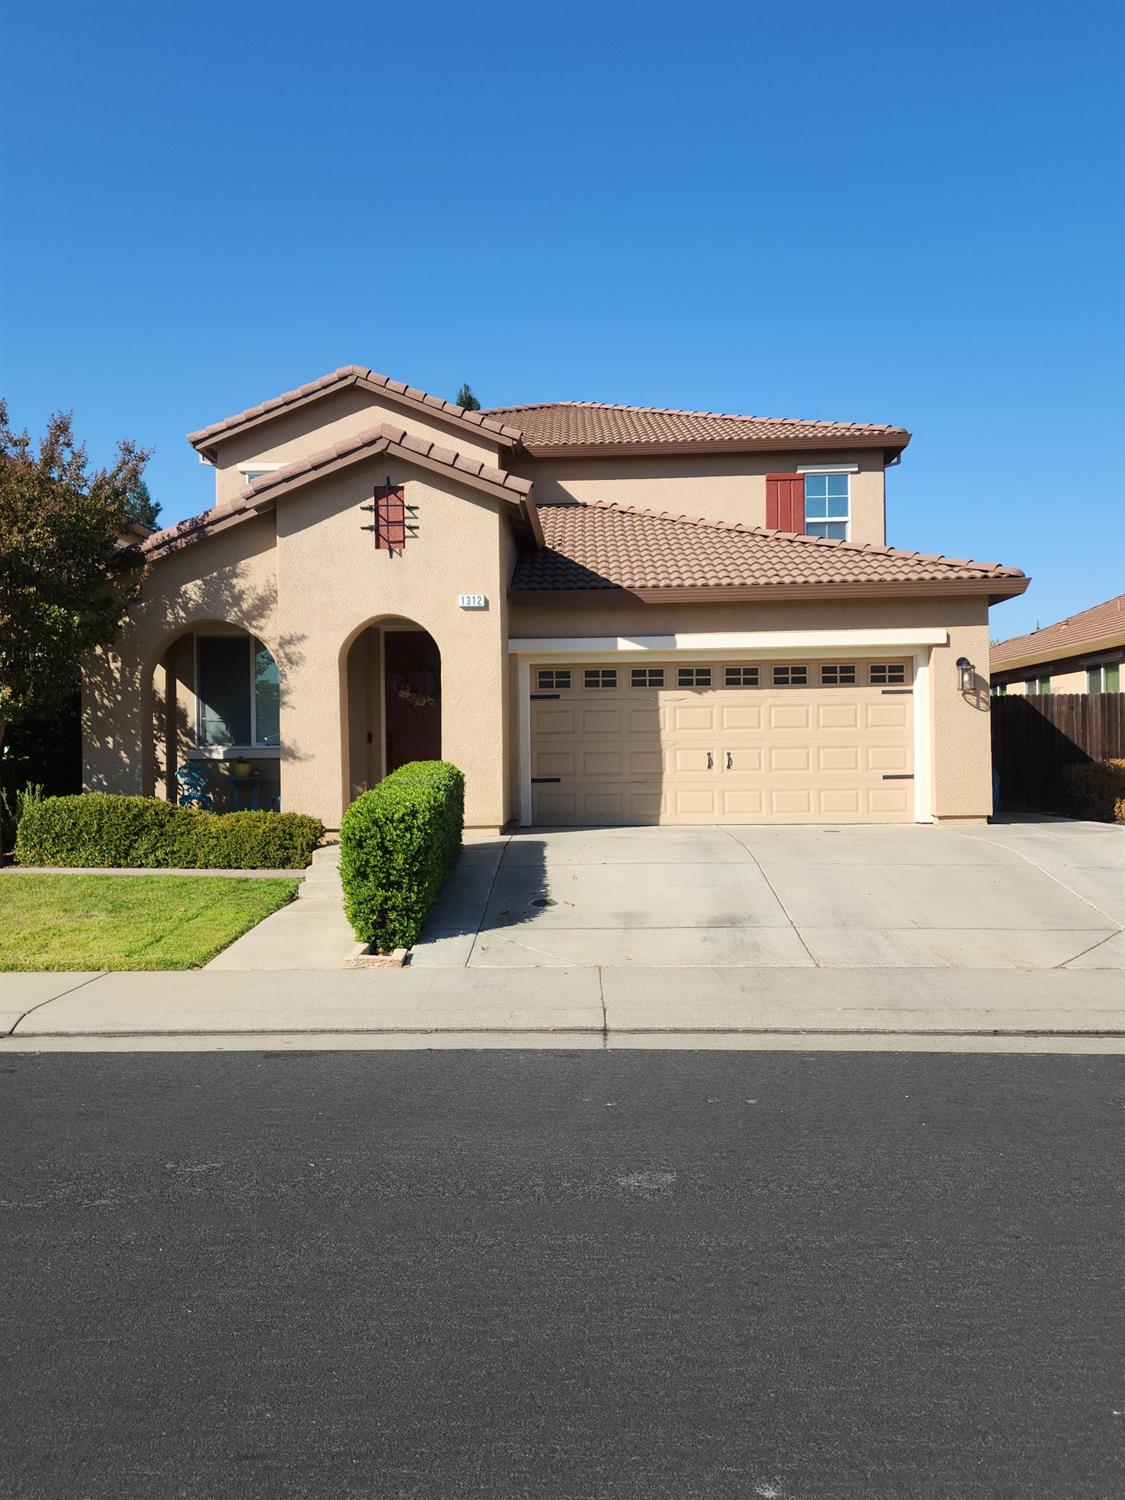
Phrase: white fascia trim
x=827 y=469
x=742 y=641
x=523 y=698
x=258 y=468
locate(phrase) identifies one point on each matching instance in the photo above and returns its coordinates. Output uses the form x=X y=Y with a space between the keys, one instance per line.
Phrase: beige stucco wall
x=318 y=424
x=720 y=486
x=334 y=583
x=961 y=739
x=228 y=579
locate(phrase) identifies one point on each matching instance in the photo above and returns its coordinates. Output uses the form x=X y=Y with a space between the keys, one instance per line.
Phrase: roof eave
x=1067 y=651
x=207 y=442
x=995 y=588
x=891 y=446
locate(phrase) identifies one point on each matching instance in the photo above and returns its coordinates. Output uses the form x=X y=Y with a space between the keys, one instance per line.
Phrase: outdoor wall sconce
x=967 y=674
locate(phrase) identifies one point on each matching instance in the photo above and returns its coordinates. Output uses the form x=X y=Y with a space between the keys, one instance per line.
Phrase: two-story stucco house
x=602 y=614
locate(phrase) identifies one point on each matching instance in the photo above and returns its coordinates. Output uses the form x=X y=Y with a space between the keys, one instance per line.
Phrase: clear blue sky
x=906 y=211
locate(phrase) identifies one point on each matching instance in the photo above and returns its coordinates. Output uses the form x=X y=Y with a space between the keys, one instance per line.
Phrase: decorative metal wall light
x=967 y=674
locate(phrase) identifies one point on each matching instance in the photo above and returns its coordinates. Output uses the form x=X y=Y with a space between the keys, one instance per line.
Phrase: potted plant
x=241 y=767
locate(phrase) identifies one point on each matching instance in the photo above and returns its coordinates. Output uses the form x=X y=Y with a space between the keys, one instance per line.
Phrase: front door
x=412 y=697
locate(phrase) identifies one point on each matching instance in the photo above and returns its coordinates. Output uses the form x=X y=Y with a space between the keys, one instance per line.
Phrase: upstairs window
x=238 y=694
x=815 y=504
x=827 y=506
x=599 y=677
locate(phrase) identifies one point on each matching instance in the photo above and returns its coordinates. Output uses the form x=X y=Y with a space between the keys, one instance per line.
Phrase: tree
x=140 y=506
x=65 y=583
x=466 y=398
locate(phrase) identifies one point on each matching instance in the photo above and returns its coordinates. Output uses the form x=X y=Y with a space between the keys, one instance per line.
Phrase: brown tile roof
x=380 y=439
x=338 y=379
x=550 y=426
x=1101 y=624
x=603 y=546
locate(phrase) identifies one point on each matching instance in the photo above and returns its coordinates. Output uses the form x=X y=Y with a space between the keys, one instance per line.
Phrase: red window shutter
x=390 y=518
x=785 y=502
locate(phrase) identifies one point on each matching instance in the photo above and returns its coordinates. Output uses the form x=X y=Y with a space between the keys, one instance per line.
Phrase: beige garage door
x=825 y=741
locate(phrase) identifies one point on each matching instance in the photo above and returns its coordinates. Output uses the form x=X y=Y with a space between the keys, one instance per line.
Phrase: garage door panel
x=838 y=757
x=735 y=716
x=794 y=715
x=687 y=717
x=552 y=762
x=837 y=716
x=600 y=721
x=790 y=757
x=826 y=752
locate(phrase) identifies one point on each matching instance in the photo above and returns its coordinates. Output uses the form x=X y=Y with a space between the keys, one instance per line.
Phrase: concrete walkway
x=565 y=1007
x=310 y=933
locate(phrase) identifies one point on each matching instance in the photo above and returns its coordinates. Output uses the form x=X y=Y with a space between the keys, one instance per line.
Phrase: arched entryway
x=391 y=673
x=214 y=696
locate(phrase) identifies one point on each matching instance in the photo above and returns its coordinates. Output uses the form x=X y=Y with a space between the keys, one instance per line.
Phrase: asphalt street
x=611 y=1276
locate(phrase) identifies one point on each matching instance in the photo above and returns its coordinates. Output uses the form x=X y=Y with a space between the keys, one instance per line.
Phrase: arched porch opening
x=391 y=696
x=213 y=697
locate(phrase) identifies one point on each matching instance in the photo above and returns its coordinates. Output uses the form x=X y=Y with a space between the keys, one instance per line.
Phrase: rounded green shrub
x=1096 y=789
x=398 y=842
x=98 y=830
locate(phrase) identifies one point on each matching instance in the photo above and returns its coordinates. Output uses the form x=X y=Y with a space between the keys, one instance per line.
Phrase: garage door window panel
x=552 y=679
x=740 y=677
x=837 y=675
x=646 y=677
x=887 y=674
x=791 y=676
x=599 y=677
x=693 y=677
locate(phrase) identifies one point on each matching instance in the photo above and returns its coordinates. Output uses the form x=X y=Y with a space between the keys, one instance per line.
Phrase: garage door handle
x=710 y=761
x=729 y=762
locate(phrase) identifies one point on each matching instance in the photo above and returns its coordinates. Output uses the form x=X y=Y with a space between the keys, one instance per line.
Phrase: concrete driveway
x=1039 y=894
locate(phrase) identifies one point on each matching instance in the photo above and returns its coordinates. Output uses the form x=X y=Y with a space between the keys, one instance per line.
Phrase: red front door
x=412 y=697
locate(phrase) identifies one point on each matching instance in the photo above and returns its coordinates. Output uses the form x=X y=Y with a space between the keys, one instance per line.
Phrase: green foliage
x=398 y=842
x=98 y=831
x=14 y=802
x=139 y=504
x=1096 y=790
x=466 y=399
x=65 y=583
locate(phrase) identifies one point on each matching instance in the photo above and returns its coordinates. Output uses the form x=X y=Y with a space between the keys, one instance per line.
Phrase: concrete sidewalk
x=579 y=1006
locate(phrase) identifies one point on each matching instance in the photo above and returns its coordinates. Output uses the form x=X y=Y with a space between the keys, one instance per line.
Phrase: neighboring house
x=602 y=614
x=1081 y=654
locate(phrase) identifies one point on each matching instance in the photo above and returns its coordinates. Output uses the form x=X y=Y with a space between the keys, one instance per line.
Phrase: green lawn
x=128 y=921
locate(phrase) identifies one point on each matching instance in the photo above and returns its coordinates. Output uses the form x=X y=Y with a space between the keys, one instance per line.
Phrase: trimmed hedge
x=96 y=830
x=398 y=842
x=1096 y=789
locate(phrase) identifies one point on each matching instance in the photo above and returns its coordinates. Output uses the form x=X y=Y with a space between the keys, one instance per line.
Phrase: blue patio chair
x=192 y=783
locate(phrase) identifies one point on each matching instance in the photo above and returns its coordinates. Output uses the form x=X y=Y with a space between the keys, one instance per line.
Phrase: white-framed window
x=237 y=692
x=599 y=677
x=1103 y=677
x=796 y=676
x=551 y=678
x=886 y=673
x=999 y=690
x=249 y=472
x=1037 y=687
x=828 y=505
x=693 y=677
x=741 y=677
x=646 y=677
x=837 y=676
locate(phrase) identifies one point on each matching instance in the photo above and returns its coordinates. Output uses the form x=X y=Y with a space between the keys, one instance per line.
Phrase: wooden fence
x=1034 y=738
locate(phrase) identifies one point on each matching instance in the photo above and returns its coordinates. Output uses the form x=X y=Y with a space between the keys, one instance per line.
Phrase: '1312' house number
x=472 y=601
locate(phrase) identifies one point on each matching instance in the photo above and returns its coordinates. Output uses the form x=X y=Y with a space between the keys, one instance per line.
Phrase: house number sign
x=472 y=601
